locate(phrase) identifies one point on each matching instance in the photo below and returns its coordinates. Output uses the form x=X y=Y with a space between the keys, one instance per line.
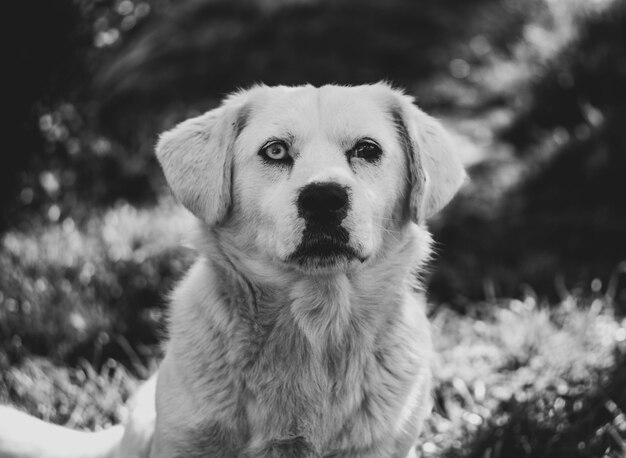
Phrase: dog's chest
x=340 y=399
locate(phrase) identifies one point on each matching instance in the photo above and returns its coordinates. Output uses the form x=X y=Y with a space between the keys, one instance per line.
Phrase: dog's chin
x=325 y=257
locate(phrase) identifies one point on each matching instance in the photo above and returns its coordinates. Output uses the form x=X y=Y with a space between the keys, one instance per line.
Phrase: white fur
x=267 y=357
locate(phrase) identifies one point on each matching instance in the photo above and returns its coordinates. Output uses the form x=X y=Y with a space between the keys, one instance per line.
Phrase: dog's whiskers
x=394 y=234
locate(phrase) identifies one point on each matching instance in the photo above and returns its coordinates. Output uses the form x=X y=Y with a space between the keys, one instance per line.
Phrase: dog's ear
x=196 y=157
x=436 y=172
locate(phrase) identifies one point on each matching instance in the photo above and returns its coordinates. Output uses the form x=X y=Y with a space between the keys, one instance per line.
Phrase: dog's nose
x=323 y=203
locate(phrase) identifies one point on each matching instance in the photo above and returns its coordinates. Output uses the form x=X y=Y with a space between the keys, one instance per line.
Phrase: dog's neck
x=323 y=306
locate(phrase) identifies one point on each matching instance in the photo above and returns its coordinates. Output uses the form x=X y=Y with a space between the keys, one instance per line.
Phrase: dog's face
x=319 y=176
x=315 y=179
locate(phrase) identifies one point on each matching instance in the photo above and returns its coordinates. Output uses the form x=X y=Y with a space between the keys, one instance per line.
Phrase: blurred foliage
x=58 y=157
x=550 y=214
x=518 y=379
x=222 y=45
x=43 y=61
x=78 y=397
x=92 y=292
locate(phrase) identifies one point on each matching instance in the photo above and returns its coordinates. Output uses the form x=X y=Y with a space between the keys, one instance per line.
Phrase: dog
x=300 y=331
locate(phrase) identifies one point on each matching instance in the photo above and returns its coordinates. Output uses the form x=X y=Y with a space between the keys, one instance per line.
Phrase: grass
x=93 y=290
x=517 y=379
x=82 y=312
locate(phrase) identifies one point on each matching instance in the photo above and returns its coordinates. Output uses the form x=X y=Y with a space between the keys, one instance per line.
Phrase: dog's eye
x=366 y=149
x=275 y=151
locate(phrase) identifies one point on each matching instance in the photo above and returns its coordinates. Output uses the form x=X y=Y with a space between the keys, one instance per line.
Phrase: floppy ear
x=196 y=157
x=436 y=172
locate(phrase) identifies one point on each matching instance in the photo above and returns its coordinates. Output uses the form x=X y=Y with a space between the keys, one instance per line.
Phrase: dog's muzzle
x=323 y=206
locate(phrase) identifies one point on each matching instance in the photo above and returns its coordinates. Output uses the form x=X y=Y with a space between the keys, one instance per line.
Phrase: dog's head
x=314 y=179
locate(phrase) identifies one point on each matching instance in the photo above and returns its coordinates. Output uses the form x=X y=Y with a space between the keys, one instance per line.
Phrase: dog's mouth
x=324 y=248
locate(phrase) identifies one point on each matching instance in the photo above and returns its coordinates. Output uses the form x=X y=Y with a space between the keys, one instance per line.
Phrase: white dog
x=300 y=331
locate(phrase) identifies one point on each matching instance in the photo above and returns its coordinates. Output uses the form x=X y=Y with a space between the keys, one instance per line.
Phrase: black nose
x=323 y=203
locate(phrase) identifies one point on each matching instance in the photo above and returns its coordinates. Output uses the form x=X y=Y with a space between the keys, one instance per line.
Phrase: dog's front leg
x=190 y=425
x=207 y=442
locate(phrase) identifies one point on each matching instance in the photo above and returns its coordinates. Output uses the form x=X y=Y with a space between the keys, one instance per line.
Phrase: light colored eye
x=275 y=151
